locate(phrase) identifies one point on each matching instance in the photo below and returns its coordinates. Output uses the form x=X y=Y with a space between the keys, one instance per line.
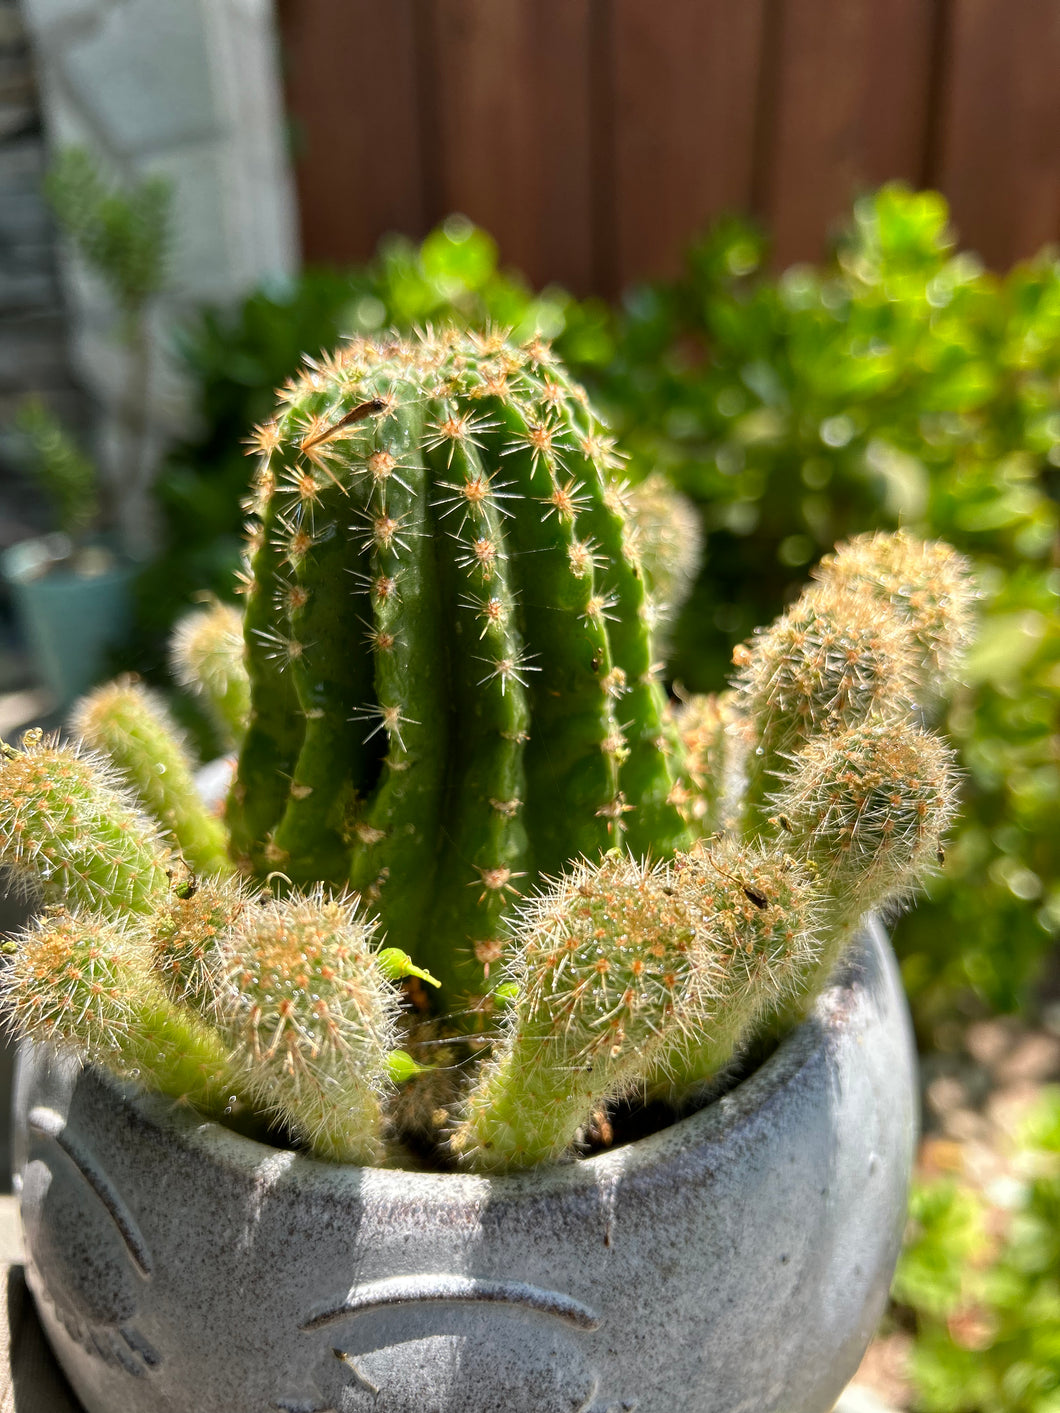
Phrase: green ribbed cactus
x=448 y=644
x=457 y=765
x=311 y=1011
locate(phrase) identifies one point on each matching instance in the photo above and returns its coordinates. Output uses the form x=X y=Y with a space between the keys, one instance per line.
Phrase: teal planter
x=69 y=619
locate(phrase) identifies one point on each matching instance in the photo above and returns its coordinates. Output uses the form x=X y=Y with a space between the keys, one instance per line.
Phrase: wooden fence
x=595 y=137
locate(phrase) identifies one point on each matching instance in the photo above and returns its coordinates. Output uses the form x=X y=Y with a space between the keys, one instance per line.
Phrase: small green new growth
x=312 y=1018
x=449 y=695
x=206 y=657
x=130 y=726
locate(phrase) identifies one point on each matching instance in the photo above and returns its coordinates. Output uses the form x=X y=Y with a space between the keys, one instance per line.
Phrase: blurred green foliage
x=986 y=1316
x=123 y=235
x=901 y=383
x=67 y=476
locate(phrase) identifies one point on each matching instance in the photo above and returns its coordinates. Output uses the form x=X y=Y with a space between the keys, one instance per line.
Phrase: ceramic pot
x=70 y=619
x=736 y=1262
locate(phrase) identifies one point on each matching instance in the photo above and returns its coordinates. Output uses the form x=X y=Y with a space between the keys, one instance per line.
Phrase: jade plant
x=477 y=877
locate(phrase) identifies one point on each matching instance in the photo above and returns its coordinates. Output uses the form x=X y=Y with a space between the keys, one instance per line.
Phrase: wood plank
x=849 y=110
x=1000 y=157
x=512 y=145
x=685 y=90
x=351 y=80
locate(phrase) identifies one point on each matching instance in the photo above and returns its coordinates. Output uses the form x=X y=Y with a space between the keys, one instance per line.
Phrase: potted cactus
x=515 y=1040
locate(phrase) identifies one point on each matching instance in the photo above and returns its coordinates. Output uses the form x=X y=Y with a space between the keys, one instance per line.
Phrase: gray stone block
x=49 y=18
x=25 y=288
x=144 y=75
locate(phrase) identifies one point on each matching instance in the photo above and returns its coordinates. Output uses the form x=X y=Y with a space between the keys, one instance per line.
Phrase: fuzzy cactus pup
x=72 y=833
x=84 y=983
x=130 y=726
x=629 y=974
x=926 y=583
x=206 y=657
x=305 y=1005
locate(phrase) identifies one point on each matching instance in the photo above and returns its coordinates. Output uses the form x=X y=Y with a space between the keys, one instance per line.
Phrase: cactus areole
x=448 y=637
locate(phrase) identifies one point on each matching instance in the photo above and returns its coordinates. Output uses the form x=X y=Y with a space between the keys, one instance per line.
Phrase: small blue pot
x=70 y=619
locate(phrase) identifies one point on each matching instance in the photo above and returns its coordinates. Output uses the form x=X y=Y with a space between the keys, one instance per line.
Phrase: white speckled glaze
x=734 y=1263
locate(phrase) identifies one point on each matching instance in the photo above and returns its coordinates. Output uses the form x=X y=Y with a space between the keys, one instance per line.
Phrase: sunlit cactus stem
x=70 y=833
x=868 y=809
x=758 y=946
x=603 y=957
x=310 y=1017
x=84 y=983
x=926 y=583
x=130 y=726
x=834 y=659
x=631 y=974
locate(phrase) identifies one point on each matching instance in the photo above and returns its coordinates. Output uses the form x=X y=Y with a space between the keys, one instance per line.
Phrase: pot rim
x=714 y=1124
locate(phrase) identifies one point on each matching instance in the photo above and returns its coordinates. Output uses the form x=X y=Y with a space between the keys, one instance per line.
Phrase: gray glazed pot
x=734 y=1263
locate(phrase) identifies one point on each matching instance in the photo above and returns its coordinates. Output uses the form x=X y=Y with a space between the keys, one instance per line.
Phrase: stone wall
x=187 y=90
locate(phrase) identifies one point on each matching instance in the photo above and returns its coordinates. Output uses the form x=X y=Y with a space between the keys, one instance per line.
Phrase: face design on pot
x=92 y=1259
x=485 y=1346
